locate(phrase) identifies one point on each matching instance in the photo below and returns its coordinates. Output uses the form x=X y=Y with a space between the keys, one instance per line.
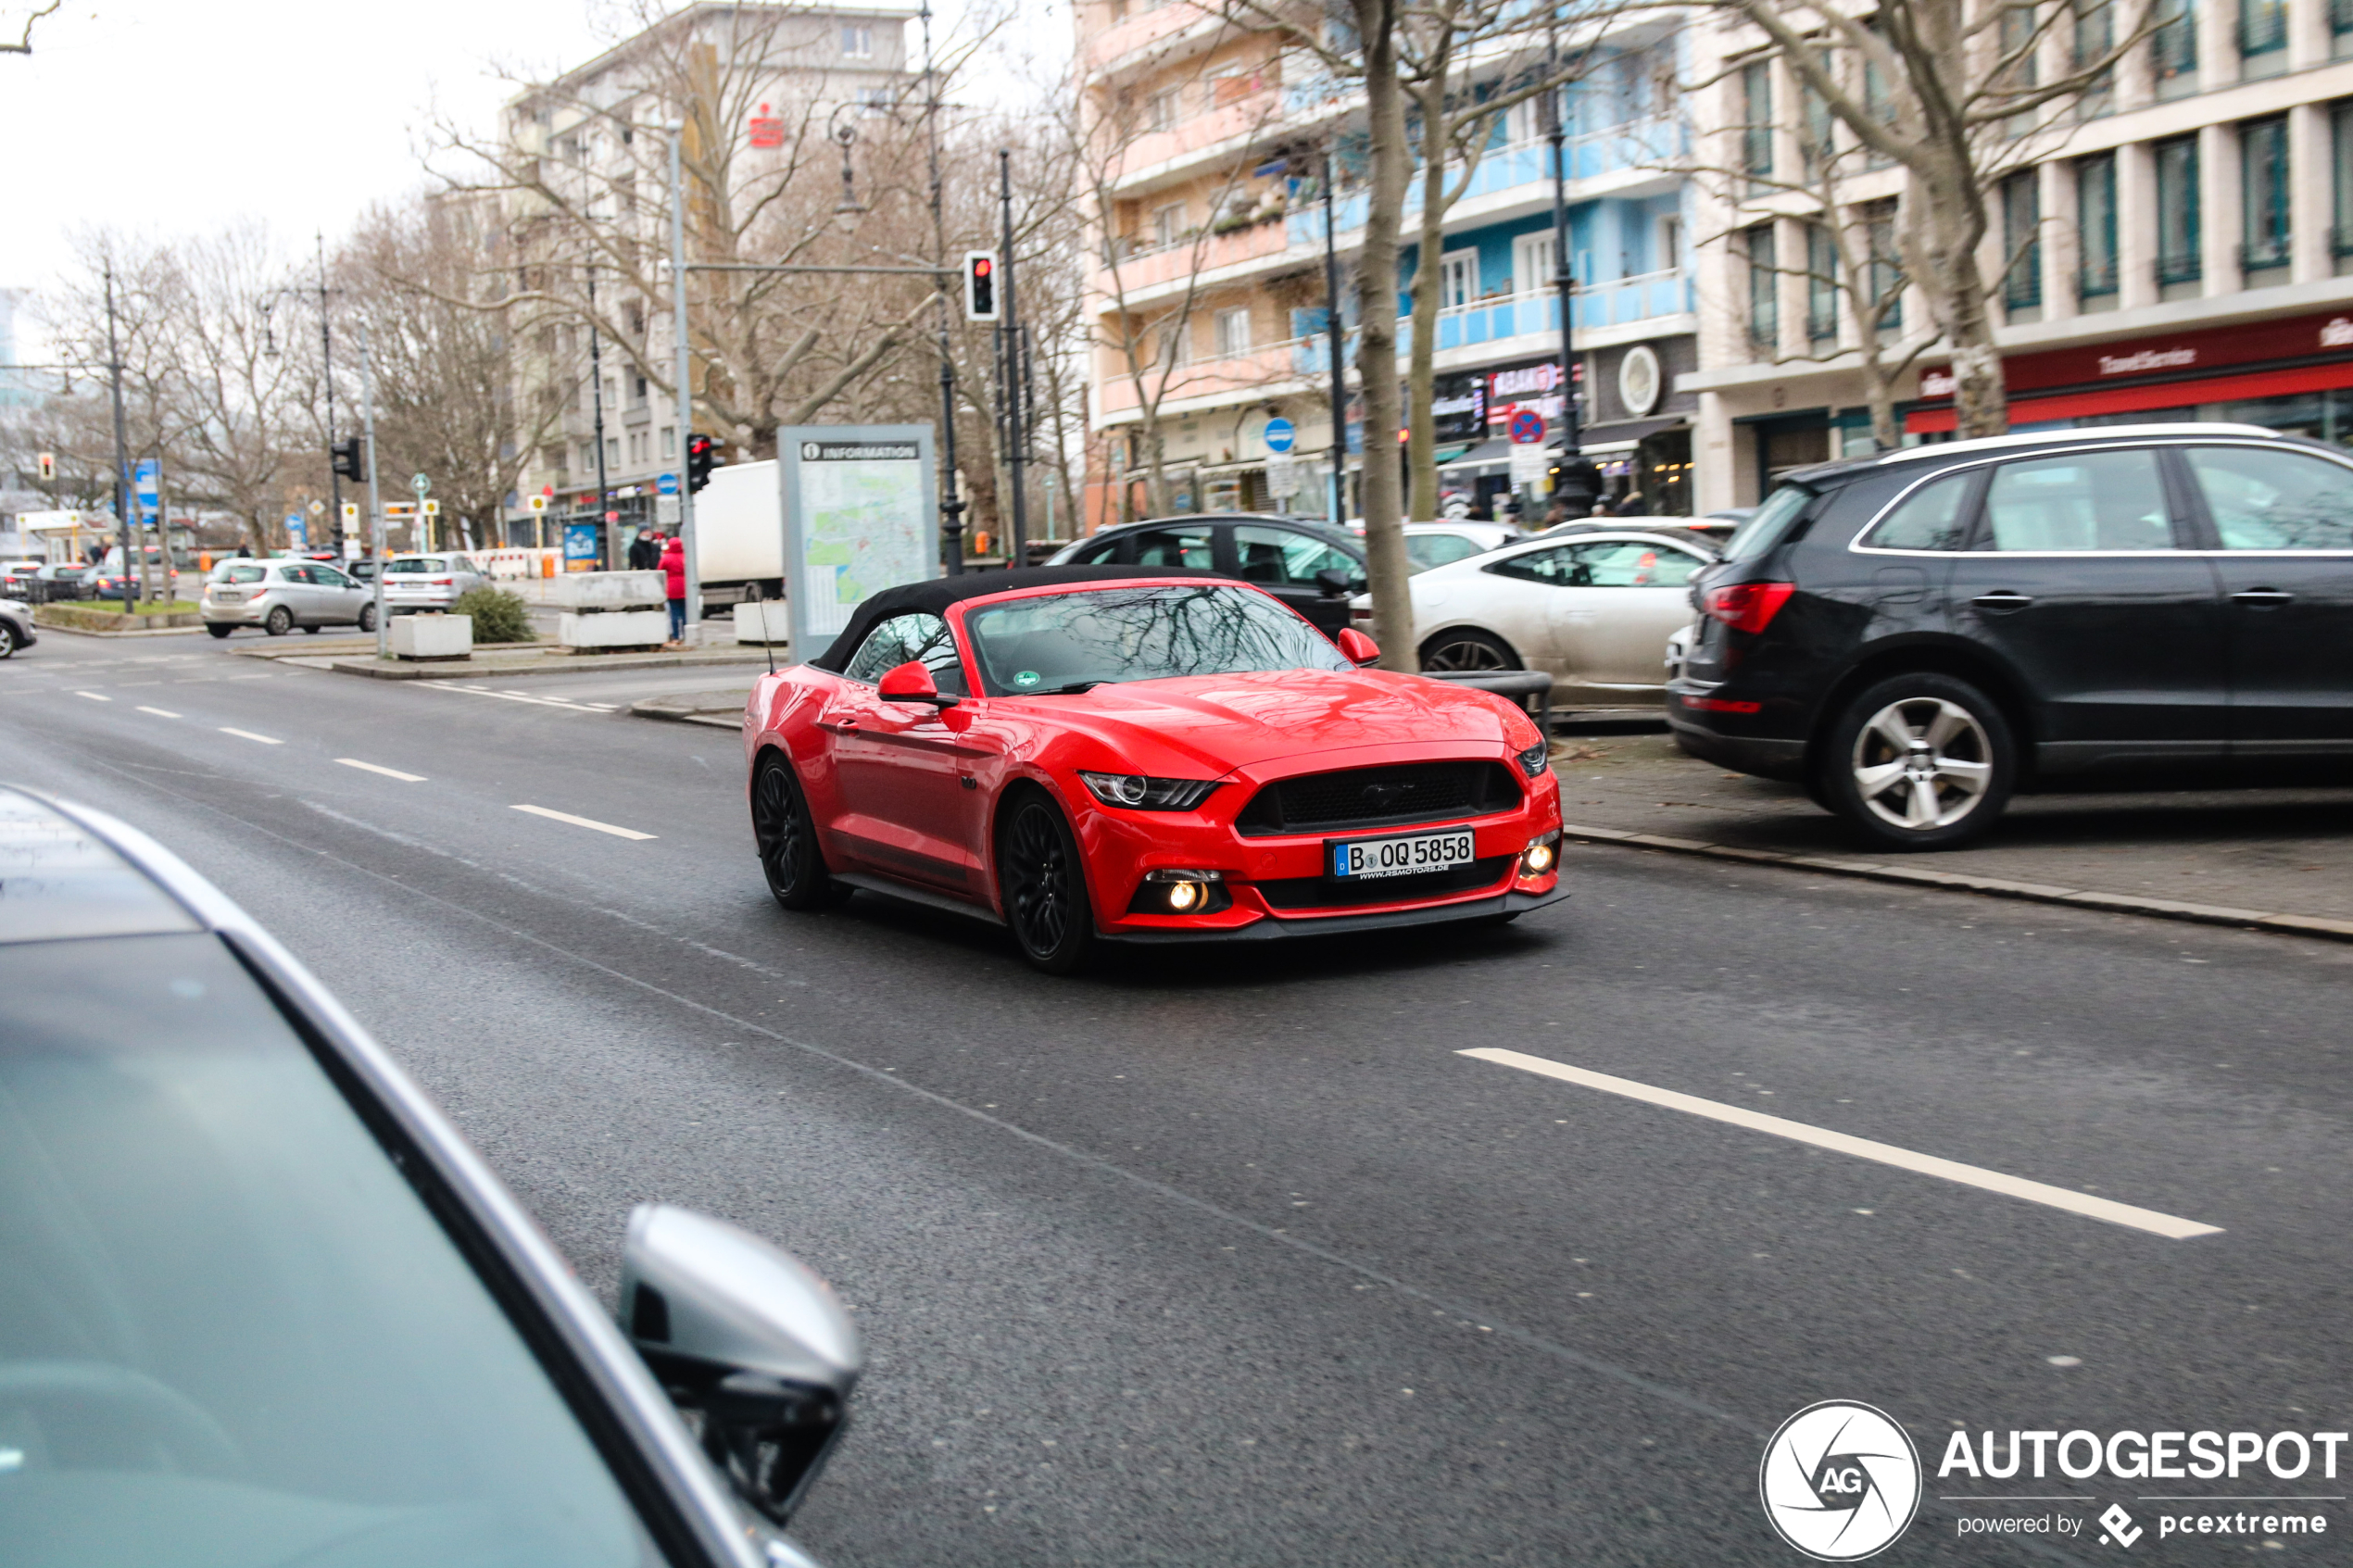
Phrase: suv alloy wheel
x=1920 y=761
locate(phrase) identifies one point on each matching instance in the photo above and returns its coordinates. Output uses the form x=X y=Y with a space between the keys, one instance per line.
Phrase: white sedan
x=1593 y=611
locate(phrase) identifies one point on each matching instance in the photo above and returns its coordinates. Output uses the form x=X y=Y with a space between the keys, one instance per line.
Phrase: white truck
x=739 y=535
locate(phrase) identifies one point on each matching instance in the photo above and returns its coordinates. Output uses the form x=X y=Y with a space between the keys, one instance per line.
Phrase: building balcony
x=1149 y=266
x=1118 y=41
x=1254 y=375
x=1620 y=302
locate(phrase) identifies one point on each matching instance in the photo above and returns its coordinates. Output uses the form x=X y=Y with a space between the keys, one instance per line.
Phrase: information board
x=860 y=514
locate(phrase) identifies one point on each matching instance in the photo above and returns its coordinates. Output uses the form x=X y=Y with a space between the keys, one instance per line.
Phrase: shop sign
x=2252 y=343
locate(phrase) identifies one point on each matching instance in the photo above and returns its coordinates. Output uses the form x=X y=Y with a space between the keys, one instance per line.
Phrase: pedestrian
x=1632 y=505
x=1556 y=514
x=644 y=551
x=673 y=572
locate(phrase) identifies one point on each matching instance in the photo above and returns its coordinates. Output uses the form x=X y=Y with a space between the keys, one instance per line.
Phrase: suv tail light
x=1747 y=606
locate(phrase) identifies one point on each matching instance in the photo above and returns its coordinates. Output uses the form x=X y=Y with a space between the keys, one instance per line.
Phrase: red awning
x=2166 y=394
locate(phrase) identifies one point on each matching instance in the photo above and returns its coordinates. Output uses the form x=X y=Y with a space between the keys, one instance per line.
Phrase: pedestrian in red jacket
x=674 y=572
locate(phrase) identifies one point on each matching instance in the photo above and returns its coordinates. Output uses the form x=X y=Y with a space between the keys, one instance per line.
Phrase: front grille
x=1411 y=792
x=1325 y=893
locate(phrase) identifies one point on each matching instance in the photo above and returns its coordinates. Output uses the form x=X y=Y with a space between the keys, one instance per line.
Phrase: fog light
x=1183 y=897
x=1538 y=858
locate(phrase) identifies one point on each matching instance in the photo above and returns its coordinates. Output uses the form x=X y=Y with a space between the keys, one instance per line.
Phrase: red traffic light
x=980 y=285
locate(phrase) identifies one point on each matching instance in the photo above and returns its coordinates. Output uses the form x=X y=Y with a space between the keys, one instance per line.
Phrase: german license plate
x=1361 y=860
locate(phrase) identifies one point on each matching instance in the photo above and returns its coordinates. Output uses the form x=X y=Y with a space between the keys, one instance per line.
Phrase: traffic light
x=348 y=462
x=48 y=467
x=702 y=456
x=980 y=285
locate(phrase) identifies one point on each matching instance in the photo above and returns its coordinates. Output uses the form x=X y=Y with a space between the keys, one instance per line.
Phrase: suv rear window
x=1769 y=525
x=1929 y=519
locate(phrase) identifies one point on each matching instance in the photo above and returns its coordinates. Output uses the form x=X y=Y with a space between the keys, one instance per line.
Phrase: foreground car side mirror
x=1357 y=649
x=912 y=681
x=1336 y=582
x=750 y=1345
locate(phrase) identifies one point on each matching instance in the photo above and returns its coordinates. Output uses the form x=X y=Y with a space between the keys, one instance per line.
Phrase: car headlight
x=1140 y=793
x=1537 y=759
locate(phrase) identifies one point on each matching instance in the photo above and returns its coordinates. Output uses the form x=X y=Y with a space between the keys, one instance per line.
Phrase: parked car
x=1437 y=543
x=1592 y=609
x=1138 y=755
x=106 y=580
x=16 y=627
x=428 y=582
x=281 y=594
x=67 y=579
x=362 y=571
x=1915 y=635
x=264 y=1304
x=19 y=580
x=1308 y=566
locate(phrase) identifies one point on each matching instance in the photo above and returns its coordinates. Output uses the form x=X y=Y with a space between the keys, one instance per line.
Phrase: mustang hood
x=1204 y=726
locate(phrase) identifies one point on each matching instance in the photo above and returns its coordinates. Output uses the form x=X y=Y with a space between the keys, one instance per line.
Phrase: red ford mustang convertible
x=1100 y=754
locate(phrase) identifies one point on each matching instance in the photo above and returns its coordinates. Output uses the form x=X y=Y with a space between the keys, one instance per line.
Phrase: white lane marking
x=387 y=773
x=160 y=712
x=2085 y=1204
x=583 y=821
x=94 y=697
x=510 y=697
x=248 y=735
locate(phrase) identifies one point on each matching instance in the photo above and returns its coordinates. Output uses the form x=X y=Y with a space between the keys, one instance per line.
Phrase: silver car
x=279 y=595
x=432 y=581
x=259 y=1303
x=16 y=626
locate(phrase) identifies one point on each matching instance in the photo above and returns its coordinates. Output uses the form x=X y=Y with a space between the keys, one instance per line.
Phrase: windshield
x=1047 y=644
x=416 y=564
x=229 y=1331
x=1769 y=524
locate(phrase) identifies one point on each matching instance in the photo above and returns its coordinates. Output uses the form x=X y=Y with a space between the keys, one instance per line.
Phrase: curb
x=655 y=707
x=133 y=632
x=456 y=669
x=1997 y=887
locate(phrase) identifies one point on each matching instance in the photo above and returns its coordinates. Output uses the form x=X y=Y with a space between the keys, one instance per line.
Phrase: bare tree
x=23 y=46
x=1954 y=92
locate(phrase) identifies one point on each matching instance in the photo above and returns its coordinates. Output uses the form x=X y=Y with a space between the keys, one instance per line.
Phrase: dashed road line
x=248 y=735
x=566 y=704
x=160 y=712
x=377 y=768
x=94 y=697
x=2115 y=1213
x=582 y=822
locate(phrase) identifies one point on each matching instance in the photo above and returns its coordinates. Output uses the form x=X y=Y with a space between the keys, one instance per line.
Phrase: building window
x=2263 y=146
x=858 y=42
x=1818 y=133
x=1168 y=224
x=2263 y=30
x=1756 y=118
x=2020 y=39
x=1164 y=108
x=1670 y=242
x=2095 y=40
x=1884 y=283
x=2022 y=240
x=669 y=443
x=2340 y=28
x=2174 y=47
x=1175 y=346
x=1233 y=333
x=1764 y=291
x=1822 y=284
x=1533 y=256
x=2096 y=225
x=1457 y=280
x=2341 y=178
x=2177 y=212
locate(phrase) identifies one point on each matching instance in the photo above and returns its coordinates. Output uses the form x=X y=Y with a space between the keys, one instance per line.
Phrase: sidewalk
x=357 y=656
x=2278 y=858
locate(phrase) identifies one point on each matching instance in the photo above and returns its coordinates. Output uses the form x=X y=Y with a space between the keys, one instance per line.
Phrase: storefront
x=2293 y=374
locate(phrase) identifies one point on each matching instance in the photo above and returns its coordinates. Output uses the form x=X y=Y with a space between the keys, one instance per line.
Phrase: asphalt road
x=1233 y=1258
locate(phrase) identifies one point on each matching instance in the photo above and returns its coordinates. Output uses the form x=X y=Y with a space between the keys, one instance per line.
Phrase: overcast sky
x=172 y=116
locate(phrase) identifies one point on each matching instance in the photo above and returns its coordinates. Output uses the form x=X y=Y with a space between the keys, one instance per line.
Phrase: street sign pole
x=680 y=357
x=376 y=502
x=122 y=455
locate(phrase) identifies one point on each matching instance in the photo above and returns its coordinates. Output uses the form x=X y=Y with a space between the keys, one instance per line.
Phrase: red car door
x=900 y=806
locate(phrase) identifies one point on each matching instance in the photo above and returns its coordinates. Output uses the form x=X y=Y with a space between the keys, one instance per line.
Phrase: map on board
x=865 y=524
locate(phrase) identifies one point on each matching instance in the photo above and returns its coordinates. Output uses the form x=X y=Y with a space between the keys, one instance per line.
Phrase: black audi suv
x=1915 y=635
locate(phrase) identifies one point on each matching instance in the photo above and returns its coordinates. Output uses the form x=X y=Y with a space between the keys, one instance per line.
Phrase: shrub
x=499 y=616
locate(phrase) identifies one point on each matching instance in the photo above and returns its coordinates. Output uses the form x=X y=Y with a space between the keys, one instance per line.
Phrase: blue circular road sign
x=1280 y=436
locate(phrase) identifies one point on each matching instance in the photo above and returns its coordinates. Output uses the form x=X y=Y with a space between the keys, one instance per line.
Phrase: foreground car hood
x=1203 y=726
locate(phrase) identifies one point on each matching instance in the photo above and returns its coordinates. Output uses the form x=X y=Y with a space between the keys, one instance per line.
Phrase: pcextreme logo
x=1840 y=1481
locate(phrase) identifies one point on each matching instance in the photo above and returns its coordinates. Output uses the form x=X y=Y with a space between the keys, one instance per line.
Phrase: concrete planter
x=614 y=629
x=70 y=617
x=762 y=623
x=432 y=636
x=592 y=592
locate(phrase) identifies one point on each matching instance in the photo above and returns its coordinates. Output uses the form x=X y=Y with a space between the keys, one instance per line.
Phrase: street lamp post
x=376 y=504
x=1009 y=334
x=1577 y=474
x=1338 y=496
x=597 y=386
x=122 y=455
x=680 y=367
x=951 y=506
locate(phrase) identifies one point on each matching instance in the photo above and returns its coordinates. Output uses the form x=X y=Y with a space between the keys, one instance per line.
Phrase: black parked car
x=1915 y=635
x=1304 y=564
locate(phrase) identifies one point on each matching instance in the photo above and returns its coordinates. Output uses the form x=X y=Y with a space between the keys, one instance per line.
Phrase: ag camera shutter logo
x=1840 y=1481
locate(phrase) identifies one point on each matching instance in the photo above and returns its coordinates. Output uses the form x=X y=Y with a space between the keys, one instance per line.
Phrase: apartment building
x=594 y=134
x=2183 y=251
x=1209 y=292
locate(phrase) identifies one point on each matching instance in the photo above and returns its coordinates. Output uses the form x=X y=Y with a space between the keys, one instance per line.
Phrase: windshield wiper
x=1074 y=687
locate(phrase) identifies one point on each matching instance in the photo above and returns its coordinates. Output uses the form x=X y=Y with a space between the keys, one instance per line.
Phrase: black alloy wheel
x=1043 y=887
x=787 y=838
x=1468 y=650
x=280 y=620
x=1921 y=761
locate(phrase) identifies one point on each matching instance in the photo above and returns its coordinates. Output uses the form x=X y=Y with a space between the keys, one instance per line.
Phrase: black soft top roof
x=935 y=595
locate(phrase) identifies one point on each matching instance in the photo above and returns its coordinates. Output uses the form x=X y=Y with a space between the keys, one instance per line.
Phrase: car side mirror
x=745 y=1337
x=1357 y=649
x=1334 y=582
x=912 y=681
